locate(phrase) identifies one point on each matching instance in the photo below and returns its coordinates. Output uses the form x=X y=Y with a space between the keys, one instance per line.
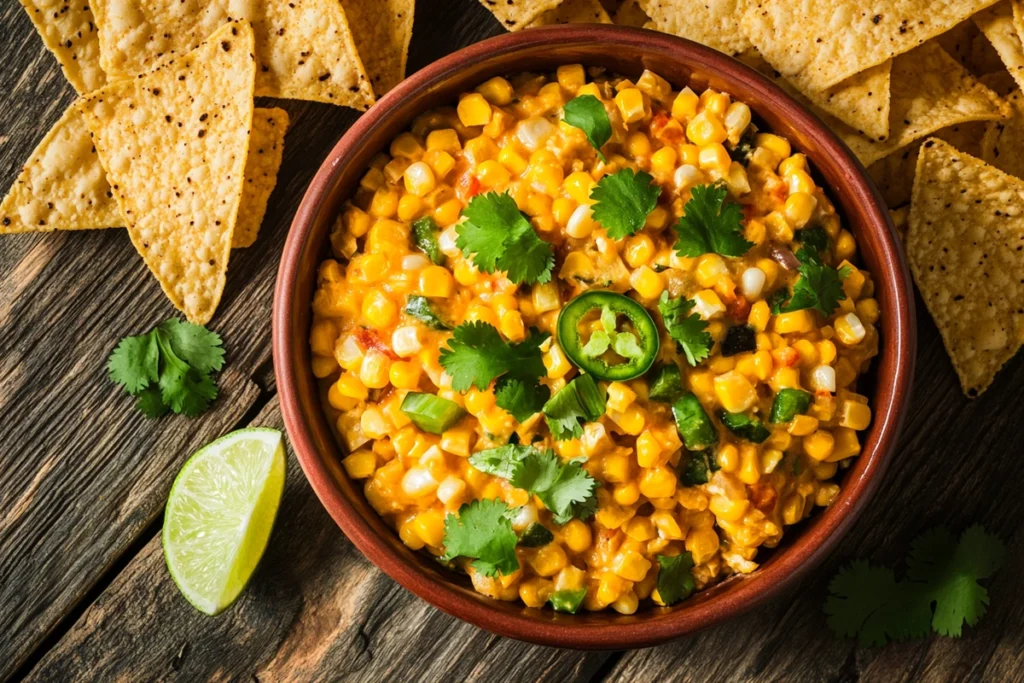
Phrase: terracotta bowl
x=627 y=52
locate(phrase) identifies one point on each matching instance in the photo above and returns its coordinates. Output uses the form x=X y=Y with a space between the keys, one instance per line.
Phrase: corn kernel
x=549 y=560
x=849 y=329
x=799 y=208
x=647 y=283
x=556 y=363
x=512 y=160
x=649 y=451
x=384 y=203
x=436 y=282
x=802 y=425
x=779 y=147
x=631 y=421
x=799 y=322
x=492 y=173
x=734 y=392
x=631 y=105
x=373 y=423
x=663 y=162
x=497 y=91
x=474 y=110
x=379 y=310
x=759 y=315
x=361 y=464
x=659 y=482
x=846 y=245
x=457 y=441
x=819 y=445
x=846 y=445
x=576 y=535
x=571 y=77
x=702 y=544
x=684 y=106
x=631 y=566
x=727 y=509
x=854 y=415
x=706 y=129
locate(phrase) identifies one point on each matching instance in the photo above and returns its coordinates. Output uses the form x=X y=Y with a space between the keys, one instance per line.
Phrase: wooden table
x=84 y=594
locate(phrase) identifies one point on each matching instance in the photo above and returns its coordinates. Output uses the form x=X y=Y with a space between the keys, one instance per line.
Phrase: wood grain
x=83 y=477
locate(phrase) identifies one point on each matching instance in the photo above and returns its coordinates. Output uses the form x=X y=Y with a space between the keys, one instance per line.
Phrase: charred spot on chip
x=225 y=45
x=324 y=76
x=6 y=221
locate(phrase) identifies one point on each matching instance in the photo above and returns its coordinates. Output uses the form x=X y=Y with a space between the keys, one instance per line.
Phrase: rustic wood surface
x=84 y=594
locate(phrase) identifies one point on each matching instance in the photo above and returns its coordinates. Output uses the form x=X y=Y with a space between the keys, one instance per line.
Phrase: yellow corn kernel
x=819 y=445
x=631 y=565
x=759 y=316
x=631 y=421
x=407 y=532
x=846 y=245
x=620 y=396
x=373 y=423
x=721 y=364
x=778 y=146
x=356 y=221
x=436 y=282
x=496 y=91
x=549 y=560
x=474 y=110
x=547 y=176
x=689 y=155
x=684 y=106
x=562 y=209
x=659 y=482
x=338 y=400
x=457 y=441
x=349 y=385
x=667 y=526
x=808 y=352
x=448 y=213
x=793 y=509
x=578 y=185
x=571 y=77
x=379 y=310
x=405 y=374
x=849 y=329
x=590 y=89
x=649 y=451
x=535 y=592
x=797 y=162
x=440 y=162
x=626 y=494
x=727 y=509
x=322 y=337
x=854 y=415
x=826 y=351
x=616 y=467
x=778 y=227
x=512 y=326
x=406 y=146
x=374 y=373
x=409 y=206
x=799 y=322
x=466 y=273
x=577 y=536
x=372 y=180
x=715 y=102
x=647 y=283
x=710 y=268
x=492 y=174
x=714 y=157
x=702 y=383
x=384 y=203
x=702 y=544
x=800 y=181
x=799 y=208
x=444 y=140
x=482 y=313
x=640 y=529
x=867 y=311
x=735 y=393
x=663 y=162
x=429 y=526
x=750 y=464
x=630 y=102
x=706 y=129
x=847 y=444
x=802 y=425
x=728 y=457
x=654 y=86
x=555 y=362
x=512 y=160
x=360 y=464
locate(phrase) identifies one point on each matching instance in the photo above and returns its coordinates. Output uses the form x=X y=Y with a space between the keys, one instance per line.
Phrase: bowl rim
x=801 y=555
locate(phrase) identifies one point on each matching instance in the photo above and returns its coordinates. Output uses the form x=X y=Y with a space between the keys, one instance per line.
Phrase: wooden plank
x=316 y=609
x=958 y=464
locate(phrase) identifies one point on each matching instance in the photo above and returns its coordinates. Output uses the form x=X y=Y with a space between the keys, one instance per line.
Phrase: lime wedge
x=220 y=513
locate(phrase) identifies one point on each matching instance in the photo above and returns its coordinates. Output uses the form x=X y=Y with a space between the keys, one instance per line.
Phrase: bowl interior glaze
x=628 y=52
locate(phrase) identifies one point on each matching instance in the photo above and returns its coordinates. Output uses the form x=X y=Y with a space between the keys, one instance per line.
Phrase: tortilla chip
x=68 y=30
x=894 y=175
x=304 y=48
x=174 y=143
x=997 y=25
x=828 y=41
x=382 y=30
x=900 y=218
x=573 y=12
x=1017 y=6
x=266 y=147
x=62 y=185
x=517 y=14
x=714 y=23
x=930 y=91
x=965 y=241
x=630 y=14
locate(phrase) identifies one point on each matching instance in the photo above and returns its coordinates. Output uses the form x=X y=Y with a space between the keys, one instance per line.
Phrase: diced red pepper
x=467 y=187
x=367 y=339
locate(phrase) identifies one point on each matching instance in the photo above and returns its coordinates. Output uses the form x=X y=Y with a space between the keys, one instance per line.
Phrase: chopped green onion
x=744 y=426
x=693 y=423
x=535 y=536
x=666 y=383
x=568 y=601
x=431 y=413
x=425 y=233
x=420 y=308
x=788 y=404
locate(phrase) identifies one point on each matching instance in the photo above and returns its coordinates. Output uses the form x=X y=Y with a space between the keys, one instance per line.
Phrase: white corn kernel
x=451 y=490
x=533 y=133
x=707 y=304
x=753 y=282
x=524 y=517
x=415 y=262
x=405 y=341
x=418 y=481
x=581 y=222
x=850 y=329
x=687 y=176
x=823 y=378
x=446 y=240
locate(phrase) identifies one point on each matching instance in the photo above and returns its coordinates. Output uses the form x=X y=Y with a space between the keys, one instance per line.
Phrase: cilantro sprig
x=588 y=114
x=170 y=368
x=940 y=591
x=476 y=355
x=497 y=236
x=623 y=201
x=709 y=224
x=819 y=287
x=565 y=488
x=482 y=531
x=581 y=400
x=675 y=578
x=687 y=329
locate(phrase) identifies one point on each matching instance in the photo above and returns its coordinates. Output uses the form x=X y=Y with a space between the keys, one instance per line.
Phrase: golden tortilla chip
x=714 y=23
x=68 y=30
x=382 y=30
x=573 y=12
x=517 y=14
x=827 y=41
x=266 y=147
x=930 y=91
x=997 y=25
x=965 y=242
x=1017 y=6
x=62 y=185
x=174 y=143
x=1003 y=144
x=630 y=14
x=894 y=175
x=304 y=48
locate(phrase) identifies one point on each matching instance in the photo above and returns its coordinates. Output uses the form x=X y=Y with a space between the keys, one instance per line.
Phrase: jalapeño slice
x=635 y=346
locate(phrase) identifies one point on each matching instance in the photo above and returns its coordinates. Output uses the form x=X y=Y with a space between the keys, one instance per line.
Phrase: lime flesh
x=219 y=515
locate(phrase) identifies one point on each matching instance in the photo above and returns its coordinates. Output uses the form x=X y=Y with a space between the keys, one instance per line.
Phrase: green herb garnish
x=476 y=355
x=424 y=232
x=710 y=224
x=482 y=531
x=581 y=400
x=170 y=368
x=623 y=201
x=497 y=236
x=420 y=308
x=675 y=578
x=588 y=114
x=819 y=287
x=687 y=329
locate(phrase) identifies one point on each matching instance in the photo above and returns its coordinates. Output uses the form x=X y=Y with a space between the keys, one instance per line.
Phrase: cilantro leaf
x=815 y=237
x=868 y=602
x=497 y=236
x=623 y=200
x=169 y=368
x=588 y=114
x=566 y=489
x=476 y=355
x=819 y=287
x=520 y=398
x=687 y=329
x=709 y=224
x=135 y=363
x=482 y=531
x=501 y=461
x=194 y=344
x=580 y=399
x=675 y=578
